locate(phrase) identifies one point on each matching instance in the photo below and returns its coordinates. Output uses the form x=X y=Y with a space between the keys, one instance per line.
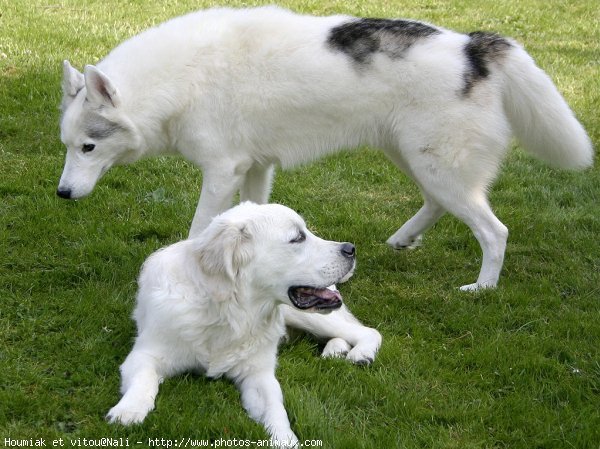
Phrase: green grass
x=518 y=367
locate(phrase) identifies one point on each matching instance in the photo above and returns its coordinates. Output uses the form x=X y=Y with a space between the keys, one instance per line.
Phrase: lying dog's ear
x=224 y=248
x=100 y=89
x=72 y=83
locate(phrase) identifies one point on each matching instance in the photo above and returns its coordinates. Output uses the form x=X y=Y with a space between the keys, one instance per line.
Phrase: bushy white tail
x=539 y=116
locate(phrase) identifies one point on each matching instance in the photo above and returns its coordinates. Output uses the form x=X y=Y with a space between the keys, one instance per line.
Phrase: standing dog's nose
x=64 y=193
x=348 y=249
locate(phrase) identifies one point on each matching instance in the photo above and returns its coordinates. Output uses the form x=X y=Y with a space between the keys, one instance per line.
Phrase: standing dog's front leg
x=263 y=400
x=257 y=184
x=219 y=183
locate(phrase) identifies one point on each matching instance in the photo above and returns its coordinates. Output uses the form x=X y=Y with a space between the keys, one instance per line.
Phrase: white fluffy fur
x=237 y=91
x=211 y=304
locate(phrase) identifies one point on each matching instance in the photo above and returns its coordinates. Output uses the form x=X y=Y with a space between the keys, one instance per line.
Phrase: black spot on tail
x=482 y=49
x=361 y=38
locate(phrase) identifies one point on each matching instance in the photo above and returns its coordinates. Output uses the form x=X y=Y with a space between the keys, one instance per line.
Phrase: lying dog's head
x=269 y=249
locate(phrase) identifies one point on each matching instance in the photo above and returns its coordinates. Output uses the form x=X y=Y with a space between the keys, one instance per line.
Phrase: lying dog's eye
x=87 y=147
x=300 y=238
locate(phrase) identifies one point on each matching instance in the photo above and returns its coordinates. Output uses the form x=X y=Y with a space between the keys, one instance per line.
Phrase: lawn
x=516 y=367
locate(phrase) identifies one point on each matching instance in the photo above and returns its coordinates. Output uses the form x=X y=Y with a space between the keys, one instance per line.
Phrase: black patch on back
x=482 y=49
x=362 y=38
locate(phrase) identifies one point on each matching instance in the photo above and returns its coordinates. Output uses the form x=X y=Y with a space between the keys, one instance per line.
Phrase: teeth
x=322 y=293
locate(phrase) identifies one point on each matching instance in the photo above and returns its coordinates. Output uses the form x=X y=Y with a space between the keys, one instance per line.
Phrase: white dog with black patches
x=211 y=304
x=238 y=91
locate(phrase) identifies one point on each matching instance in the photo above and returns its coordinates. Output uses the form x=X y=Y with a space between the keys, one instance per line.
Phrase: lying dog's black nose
x=64 y=193
x=348 y=249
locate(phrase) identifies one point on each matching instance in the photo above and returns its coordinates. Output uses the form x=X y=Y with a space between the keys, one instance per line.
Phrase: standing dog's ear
x=100 y=89
x=224 y=248
x=72 y=83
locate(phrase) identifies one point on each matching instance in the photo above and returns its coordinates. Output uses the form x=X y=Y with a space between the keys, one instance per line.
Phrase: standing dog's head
x=94 y=129
x=268 y=249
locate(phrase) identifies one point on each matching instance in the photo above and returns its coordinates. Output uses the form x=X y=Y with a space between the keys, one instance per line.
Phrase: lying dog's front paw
x=285 y=444
x=336 y=347
x=360 y=356
x=286 y=440
x=121 y=414
x=366 y=349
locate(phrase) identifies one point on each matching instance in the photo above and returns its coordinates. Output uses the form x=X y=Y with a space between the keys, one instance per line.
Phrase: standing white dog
x=236 y=91
x=211 y=304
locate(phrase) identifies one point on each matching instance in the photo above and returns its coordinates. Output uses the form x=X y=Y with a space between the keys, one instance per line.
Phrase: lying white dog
x=211 y=304
x=236 y=91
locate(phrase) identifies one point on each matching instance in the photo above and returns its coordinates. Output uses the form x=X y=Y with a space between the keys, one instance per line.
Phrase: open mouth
x=315 y=298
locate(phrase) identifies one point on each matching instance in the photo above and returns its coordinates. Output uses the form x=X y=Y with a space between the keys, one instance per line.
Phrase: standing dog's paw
x=401 y=242
x=478 y=286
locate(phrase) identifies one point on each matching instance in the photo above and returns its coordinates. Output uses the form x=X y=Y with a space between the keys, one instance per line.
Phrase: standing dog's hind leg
x=454 y=178
x=473 y=209
x=409 y=235
x=491 y=235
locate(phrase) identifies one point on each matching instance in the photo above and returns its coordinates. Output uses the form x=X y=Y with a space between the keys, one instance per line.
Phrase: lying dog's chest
x=216 y=356
x=220 y=349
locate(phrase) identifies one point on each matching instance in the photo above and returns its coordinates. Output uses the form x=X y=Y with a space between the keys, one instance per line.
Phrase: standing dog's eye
x=300 y=238
x=87 y=147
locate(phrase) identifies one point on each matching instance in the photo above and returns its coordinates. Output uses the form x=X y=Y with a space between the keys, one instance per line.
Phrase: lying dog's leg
x=409 y=235
x=139 y=386
x=257 y=184
x=337 y=325
x=263 y=400
x=336 y=347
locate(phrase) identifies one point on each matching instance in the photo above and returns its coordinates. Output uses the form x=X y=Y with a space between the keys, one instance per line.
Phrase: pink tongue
x=323 y=293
